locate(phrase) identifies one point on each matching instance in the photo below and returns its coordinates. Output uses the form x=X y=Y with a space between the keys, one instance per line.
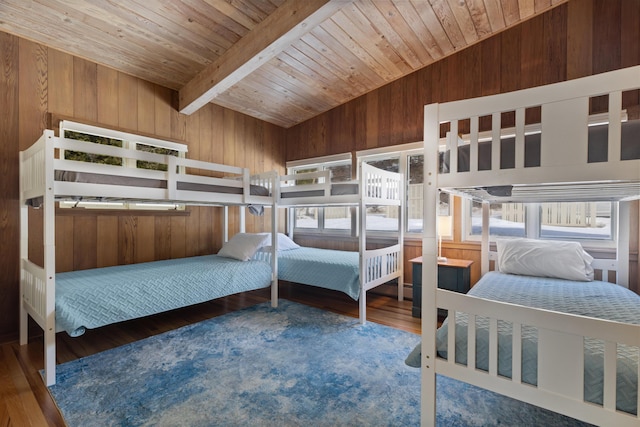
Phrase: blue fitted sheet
x=593 y=299
x=325 y=268
x=101 y=296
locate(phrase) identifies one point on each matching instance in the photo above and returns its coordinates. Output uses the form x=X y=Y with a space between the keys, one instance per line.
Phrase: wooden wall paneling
x=126 y=239
x=85 y=90
x=107 y=240
x=192 y=231
x=510 y=60
x=145 y=107
x=532 y=53
x=178 y=121
x=384 y=116
x=162 y=237
x=607 y=35
x=397 y=105
x=579 y=38
x=107 y=96
x=162 y=110
x=9 y=209
x=372 y=132
x=359 y=123
x=144 y=236
x=127 y=102
x=412 y=118
x=555 y=45
x=178 y=236
x=84 y=241
x=490 y=74
x=65 y=237
x=60 y=76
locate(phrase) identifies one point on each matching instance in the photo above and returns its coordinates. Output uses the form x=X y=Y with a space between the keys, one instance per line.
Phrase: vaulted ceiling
x=282 y=61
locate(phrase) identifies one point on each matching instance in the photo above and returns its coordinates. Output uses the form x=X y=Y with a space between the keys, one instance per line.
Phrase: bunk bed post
x=622 y=249
x=49 y=220
x=24 y=254
x=484 y=250
x=429 y=263
x=225 y=224
x=362 y=244
x=243 y=219
x=274 y=253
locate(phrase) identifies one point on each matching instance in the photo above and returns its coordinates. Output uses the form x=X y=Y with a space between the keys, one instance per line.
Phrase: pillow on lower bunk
x=243 y=246
x=543 y=258
x=284 y=242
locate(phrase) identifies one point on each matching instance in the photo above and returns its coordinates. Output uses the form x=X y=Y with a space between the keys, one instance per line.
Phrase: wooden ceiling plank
x=511 y=12
x=316 y=84
x=480 y=18
x=320 y=39
x=494 y=13
x=393 y=25
x=527 y=8
x=277 y=32
x=131 y=23
x=340 y=73
x=96 y=47
x=431 y=21
x=463 y=19
x=451 y=22
x=349 y=44
x=359 y=28
x=420 y=31
x=298 y=90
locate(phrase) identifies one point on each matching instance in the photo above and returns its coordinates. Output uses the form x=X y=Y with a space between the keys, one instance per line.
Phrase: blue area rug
x=290 y=366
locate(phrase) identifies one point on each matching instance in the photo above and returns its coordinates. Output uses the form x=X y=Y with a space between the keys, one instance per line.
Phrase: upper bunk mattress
x=325 y=268
x=595 y=299
x=98 y=297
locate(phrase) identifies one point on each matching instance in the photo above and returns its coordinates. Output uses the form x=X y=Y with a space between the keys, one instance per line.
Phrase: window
x=321 y=219
x=97 y=135
x=586 y=221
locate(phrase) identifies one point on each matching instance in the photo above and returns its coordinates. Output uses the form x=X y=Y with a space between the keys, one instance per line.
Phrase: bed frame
x=563 y=174
x=375 y=187
x=38 y=164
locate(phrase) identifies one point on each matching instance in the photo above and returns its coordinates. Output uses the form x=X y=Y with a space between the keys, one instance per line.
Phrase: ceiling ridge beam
x=287 y=24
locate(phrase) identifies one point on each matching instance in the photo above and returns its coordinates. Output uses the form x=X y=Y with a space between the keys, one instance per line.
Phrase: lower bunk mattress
x=592 y=299
x=325 y=268
x=101 y=296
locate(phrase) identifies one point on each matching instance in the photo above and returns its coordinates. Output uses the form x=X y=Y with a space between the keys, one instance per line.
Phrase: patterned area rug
x=290 y=366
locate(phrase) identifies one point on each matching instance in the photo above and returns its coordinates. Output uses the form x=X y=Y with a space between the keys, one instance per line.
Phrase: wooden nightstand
x=453 y=274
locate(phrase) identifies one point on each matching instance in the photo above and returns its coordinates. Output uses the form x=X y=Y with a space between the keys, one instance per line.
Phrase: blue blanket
x=101 y=296
x=593 y=299
x=325 y=268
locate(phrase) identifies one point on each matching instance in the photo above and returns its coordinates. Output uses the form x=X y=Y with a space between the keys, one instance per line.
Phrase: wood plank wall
x=36 y=81
x=576 y=39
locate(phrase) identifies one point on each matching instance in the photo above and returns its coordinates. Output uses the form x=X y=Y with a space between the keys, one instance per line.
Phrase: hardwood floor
x=25 y=401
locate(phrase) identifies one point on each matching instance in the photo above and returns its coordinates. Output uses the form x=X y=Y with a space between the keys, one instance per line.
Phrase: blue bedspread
x=325 y=268
x=101 y=296
x=593 y=299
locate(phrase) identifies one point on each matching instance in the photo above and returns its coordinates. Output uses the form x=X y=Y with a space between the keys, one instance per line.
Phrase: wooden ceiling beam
x=287 y=24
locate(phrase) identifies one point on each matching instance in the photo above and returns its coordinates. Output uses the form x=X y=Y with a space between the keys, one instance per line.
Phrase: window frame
x=533 y=227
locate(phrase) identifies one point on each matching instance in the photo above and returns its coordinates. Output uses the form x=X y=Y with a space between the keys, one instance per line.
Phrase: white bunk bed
x=46 y=178
x=373 y=267
x=562 y=173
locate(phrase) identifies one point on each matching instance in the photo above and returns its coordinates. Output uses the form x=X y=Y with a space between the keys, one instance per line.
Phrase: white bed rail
x=560 y=378
x=380 y=186
x=563 y=127
x=220 y=184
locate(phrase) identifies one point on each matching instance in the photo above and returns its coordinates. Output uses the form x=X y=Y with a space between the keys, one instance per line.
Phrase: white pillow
x=284 y=242
x=243 y=246
x=543 y=258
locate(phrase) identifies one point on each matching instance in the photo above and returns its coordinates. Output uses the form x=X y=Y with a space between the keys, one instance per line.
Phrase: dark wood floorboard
x=25 y=401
